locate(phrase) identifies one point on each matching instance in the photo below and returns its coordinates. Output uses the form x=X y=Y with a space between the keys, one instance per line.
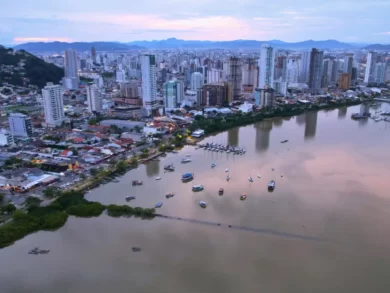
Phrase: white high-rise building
x=304 y=69
x=120 y=75
x=173 y=93
x=215 y=75
x=94 y=99
x=20 y=125
x=71 y=78
x=370 y=67
x=196 y=85
x=53 y=104
x=292 y=75
x=149 y=87
x=380 y=71
x=267 y=66
x=196 y=81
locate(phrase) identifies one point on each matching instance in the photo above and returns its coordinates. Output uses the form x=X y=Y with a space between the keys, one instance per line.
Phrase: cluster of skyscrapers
x=172 y=79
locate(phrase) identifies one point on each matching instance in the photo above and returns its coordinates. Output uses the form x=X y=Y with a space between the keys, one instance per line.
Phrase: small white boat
x=188 y=156
x=228 y=177
x=226 y=170
x=197 y=187
x=185 y=160
x=213 y=165
x=258 y=176
x=203 y=204
x=158 y=178
x=250 y=179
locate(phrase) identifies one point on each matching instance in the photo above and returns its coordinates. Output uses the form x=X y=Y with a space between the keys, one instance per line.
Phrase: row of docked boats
x=222 y=148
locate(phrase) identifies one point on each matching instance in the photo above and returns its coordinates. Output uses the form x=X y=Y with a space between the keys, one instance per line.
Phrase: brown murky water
x=325 y=228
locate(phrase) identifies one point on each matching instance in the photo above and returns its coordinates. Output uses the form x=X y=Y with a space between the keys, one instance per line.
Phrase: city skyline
x=216 y=20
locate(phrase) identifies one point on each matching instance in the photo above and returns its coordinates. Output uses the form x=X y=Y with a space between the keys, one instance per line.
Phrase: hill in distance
x=240 y=44
x=78 y=46
x=177 y=43
x=378 y=47
x=29 y=69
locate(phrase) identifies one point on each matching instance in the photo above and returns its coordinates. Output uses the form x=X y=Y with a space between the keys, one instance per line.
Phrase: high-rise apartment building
x=344 y=81
x=215 y=75
x=215 y=94
x=292 y=75
x=315 y=70
x=249 y=75
x=71 y=79
x=93 y=54
x=380 y=71
x=149 y=87
x=94 y=98
x=370 y=67
x=281 y=68
x=20 y=125
x=264 y=97
x=267 y=66
x=53 y=104
x=129 y=89
x=304 y=68
x=233 y=75
x=173 y=94
x=196 y=85
x=348 y=64
x=6 y=138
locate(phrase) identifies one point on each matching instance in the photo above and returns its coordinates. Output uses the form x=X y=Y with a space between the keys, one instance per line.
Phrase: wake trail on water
x=254 y=230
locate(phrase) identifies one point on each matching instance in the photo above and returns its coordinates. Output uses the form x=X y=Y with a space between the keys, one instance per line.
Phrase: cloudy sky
x=360 y=21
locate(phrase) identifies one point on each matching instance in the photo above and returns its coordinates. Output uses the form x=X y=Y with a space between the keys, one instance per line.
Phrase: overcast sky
x=129 y=20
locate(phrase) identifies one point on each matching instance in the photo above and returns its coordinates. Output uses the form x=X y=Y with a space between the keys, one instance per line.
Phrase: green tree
x=50 y=192
x=83 y=176
x=93 y=171
x=10 y=208
x=1 y=197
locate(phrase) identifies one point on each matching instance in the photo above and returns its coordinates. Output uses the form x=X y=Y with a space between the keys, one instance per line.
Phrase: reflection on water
x=263 y=132
x=364 y=108
x=342 y=112
x=301 y=119
x=233 y=135
x=152 y=168
x=278 y=122
x=311 y=124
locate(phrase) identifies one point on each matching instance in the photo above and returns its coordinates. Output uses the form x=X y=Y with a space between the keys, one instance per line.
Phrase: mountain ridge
x=78 y=46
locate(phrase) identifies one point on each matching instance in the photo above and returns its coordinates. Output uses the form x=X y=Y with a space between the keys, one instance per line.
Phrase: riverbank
x=212 y=126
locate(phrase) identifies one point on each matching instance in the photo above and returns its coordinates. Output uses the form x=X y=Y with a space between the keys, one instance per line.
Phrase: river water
x=325 y=228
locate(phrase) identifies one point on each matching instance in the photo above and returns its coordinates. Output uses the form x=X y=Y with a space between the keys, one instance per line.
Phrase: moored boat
x=185 y=160
x=129 y=198
x=137 y=182
x=271 y=185
x=158 y=178
x=203 y=204
x=187 y=176
x=169 y=167
x=198 y=187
